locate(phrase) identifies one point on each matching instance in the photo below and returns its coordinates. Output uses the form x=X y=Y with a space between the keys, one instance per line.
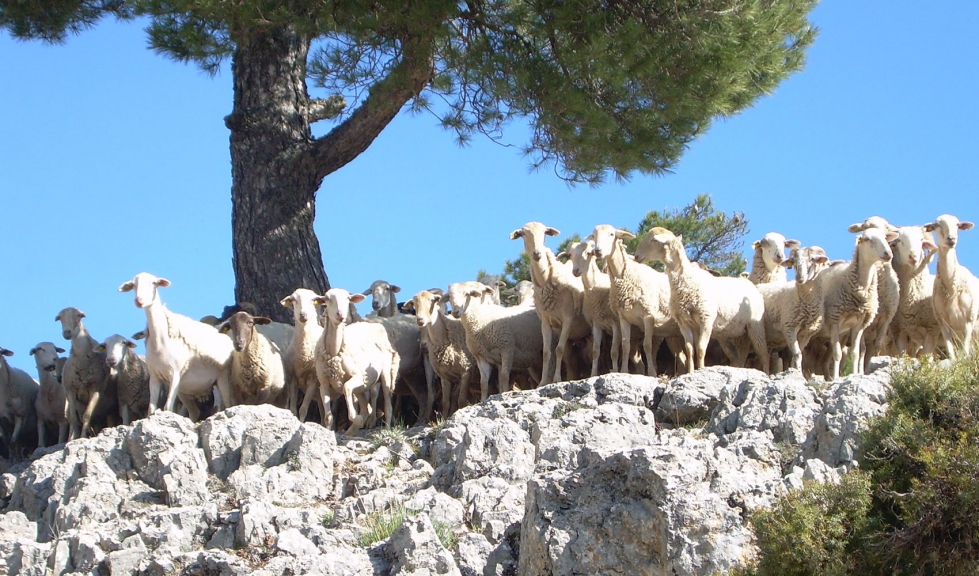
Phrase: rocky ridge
x=616 y=474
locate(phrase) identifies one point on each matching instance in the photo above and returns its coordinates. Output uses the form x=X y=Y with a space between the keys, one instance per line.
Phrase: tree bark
x=277 y=166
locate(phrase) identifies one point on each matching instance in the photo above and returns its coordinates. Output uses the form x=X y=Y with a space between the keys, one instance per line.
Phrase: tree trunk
x=275 y=249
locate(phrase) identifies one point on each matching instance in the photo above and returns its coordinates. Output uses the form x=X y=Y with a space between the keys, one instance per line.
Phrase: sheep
x=189 y=355
x=447 y=352
x=888 y=297
x=521 y=294
x=558 y=295
x=495 y=284
x=383 y=301
x=794 y=310
x=51 y=403
x=640 y=296
x=507 y=338
x=257 y=366
x=414 y=369
x=766 y=267
x=352 y=359
x=704 y=305
x=851 y=296
x=88 y=389
x=300 y=357
x=956 y=294
x=131 y=376
x=915 y=324
x=18 y=394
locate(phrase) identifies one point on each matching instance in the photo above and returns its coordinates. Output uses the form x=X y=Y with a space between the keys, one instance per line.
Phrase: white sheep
x=495 y=284
x=915 y=325
x=521 y=294
x=956 y=294
x=875 y=337
x=794 y=310
x=705 y=306
x=383 y=301
x=188 y=355
x=89 y=390
x=131 y=376
x=414 y=369
x=257 y=365
x=18 y=393
x=558 y=296
x=509 y=339
x=851 y=297
x=51 y=404
x=766 y=266
x=640 y=296
x=300 y=357
x=447 y=351
x=352 y=360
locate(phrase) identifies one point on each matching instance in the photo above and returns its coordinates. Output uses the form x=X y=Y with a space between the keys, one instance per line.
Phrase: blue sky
x=114 y=160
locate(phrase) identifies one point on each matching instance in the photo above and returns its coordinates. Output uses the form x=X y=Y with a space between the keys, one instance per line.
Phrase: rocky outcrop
x=615 y=474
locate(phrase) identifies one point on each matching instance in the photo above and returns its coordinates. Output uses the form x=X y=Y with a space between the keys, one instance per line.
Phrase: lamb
x=257 y=367
x=383 y=301
x=766 y=267
x=704 y=305
x=558 y=296
x=352 y=360
x=851 y=296
x=447 y=352
x=507 y=338
x=300 y=357
x=131 y=376
x=915 y=325
x=18 y=393
x=88 y=389
x=191 y=356
x=521 y=294
x=888 y=297
x=794 y=310
x=956 y=294
x=640 y=296
x=51 y=403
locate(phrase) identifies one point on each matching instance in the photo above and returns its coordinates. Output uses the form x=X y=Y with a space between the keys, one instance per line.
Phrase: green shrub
x=816 y=531
x=380 y=525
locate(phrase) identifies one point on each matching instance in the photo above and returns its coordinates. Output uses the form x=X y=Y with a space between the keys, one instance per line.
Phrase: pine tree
x=609 y=88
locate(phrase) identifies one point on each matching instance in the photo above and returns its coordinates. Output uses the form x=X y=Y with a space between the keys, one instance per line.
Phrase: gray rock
x=417 y=550
x=245 y=435
x=786 y=405
x=690 y=398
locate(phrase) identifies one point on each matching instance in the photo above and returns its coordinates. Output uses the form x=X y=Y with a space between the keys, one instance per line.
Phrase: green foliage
x=380 y=525
x=710 y=237
x=912 y=509
x=398 y=432
x=607 y=88
x=446 y=535
x=816 y=531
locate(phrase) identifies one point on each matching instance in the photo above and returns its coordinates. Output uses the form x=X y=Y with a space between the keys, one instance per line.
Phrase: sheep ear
x=127 y=286
x=139 y=335
x=319 y=301
x=562 y=255
x=223 y=327
x=100 y=348
x=854 y=228
x=59 y=350
x=590 y=238
x=756 y=244
x=624 y=234
x=792 y=244
x=966 y=225
x=891 y=236
x=366 y=292
x=81 y=314
x=930 y=227
x=355 y=298
x=394 y=288
x=437 y=297
x=516 y=234
x=6 y=352
x=287 y=301
x=928 y=245
x=162 y=282
x=33 y=350
x=408 y=306
x=789 y=264
x=260 y=320
x=552 y=232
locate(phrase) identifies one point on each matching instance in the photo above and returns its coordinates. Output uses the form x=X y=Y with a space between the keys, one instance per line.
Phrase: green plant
x=398 y=432
x=446 y=535
x=563 y=408
x=328 y=517
x=380 y=525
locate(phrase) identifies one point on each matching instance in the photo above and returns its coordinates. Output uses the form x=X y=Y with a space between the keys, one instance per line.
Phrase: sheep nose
x=537 y=255
x=139 y=302
x=375 y=304
x=110 y=361
x=456 y=313
x=419 y=321
x=67 y=334
x=886 y=257
x=303 y=317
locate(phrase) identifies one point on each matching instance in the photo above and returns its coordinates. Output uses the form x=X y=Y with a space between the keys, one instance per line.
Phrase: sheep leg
x=596 y=348
x=224 y=387
x=688 y=347
x=387 y=387
x=75 y=431
x=836 y=352
x=967 y=341
x=171 y=401
x=949 y=341
x=506 y=364
x=309 y=394
x=625 y=344
x=446 y=386
x=18 y=425
x=124 y=413
x=546 y=377
x=615 y=349
x=463 y=396
x=650 y=344
x=856 y=350
x=756 y=333
x=93 y=401
x=562 y=344
x=326 y=396
x=357 y=416
x=62 y=432
x=190 y=404
x=430 y=383
x=40 y=433
x=485 y=370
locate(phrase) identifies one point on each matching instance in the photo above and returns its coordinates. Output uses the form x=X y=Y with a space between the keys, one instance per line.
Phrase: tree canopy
x=608 y=87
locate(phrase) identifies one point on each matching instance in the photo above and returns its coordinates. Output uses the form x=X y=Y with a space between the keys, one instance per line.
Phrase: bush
x=912 y=509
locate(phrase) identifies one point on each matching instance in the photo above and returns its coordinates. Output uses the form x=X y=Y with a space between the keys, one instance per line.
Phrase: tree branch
x=325 y=108
x=406 y=80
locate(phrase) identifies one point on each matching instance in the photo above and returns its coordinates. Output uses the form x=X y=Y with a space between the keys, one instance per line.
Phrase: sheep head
x=145 y=285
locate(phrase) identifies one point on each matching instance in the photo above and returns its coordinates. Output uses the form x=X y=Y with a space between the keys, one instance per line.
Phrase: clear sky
x=114 y=160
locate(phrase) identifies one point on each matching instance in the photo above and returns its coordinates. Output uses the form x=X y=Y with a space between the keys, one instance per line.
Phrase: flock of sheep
x=883 y=301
